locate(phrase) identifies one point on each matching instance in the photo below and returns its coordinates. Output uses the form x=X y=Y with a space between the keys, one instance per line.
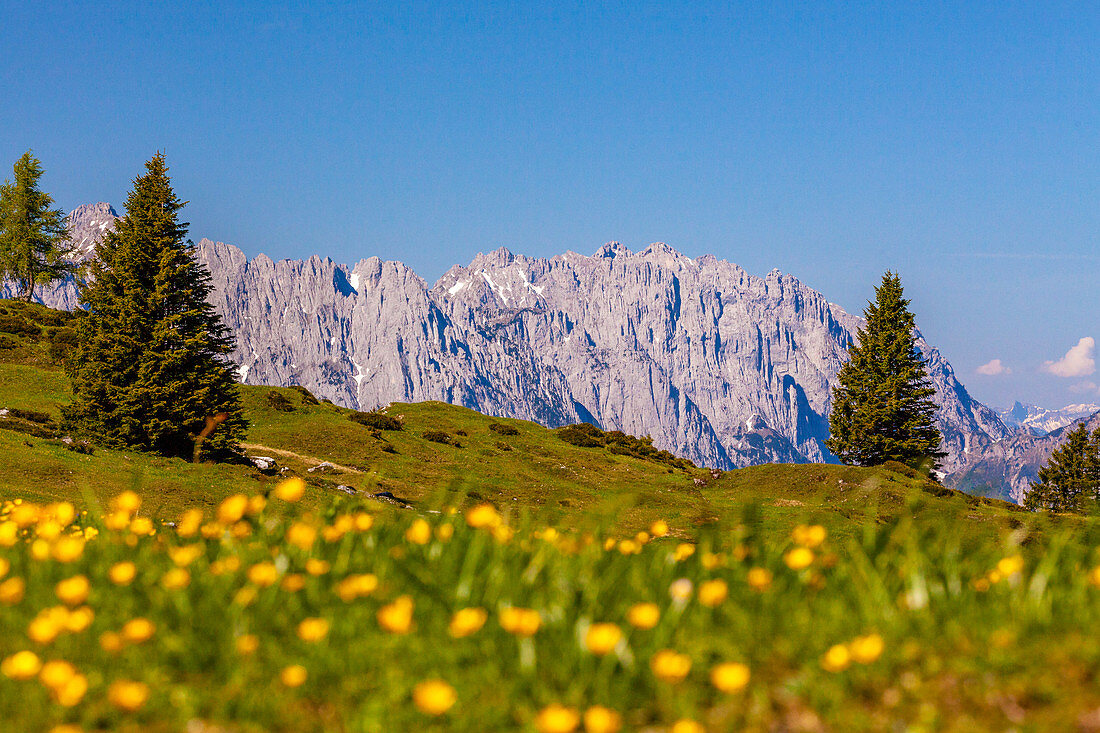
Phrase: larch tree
x=34 y=239
x=151 y=369
x=882 y=408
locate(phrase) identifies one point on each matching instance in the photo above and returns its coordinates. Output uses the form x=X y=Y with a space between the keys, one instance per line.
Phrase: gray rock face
x=1007 y=468
x=717 y=365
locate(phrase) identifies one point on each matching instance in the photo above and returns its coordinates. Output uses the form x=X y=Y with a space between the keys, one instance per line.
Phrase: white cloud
x=1077 y=362
x=993 y=369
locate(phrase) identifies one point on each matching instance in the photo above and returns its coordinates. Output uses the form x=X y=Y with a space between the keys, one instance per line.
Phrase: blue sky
x=958 y=143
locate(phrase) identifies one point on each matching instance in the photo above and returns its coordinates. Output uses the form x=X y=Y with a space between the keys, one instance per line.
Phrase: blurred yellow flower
x=247 y=644
x=73 y=591
x=483 y=515
x=396 y=617
x=142 y=526
x=1094 y=577
x=810 y=535
x=293 y=676
x=127 y=502
x=363 y=521
x=601 y=639
x=658 y=529
x=293 y=582
x=11 y=591
x=186 y=554
x=866 y=649
x=730 y=677
x=122 y=573
x=1011 y=565
x=683 y=551
x=256 y=504
x=643 y=615
x=313 y=629
x=68 y=549
x=434 y=697
x=670 y=666
x=290 y=489
x=263 y=574
x=232 y=509
x=9 y=534
x=189 y=523
x=317 y=567
x=110 y=641
x=685 y=725
x=759 y=579
x=444 y=532
x=72 y=692
x=21 y=665
x=138 y=630
x=598 y=719
x=681 y=589
x=467 y=621
x=713 y=592
x=556 y=718
x=79 y=619
x=520 y=621
x=356 y=586
x=176 y=579
x=419 y=533
x=798 y=558
x=5 y=566
x=56 y=673
x=127 y=695
x=302 y=535
x=836 y=659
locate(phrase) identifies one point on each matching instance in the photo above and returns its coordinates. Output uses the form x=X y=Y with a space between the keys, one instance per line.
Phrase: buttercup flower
x=601 y=639
x=643 y=615
x=730 y=677
x=434 y=697
x=557 y=719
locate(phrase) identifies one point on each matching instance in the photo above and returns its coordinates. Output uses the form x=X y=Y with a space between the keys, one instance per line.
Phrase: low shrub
x=30 y=415
x=277 y=401
x=62 y=342
x=583 y=435
x=19 y=326
x=307 y=396
x=438 y=436
x=8 y=342
x=502 y=429
x=377 y=420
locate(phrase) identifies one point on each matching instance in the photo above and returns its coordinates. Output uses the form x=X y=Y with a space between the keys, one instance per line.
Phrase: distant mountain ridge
x=1042 y=421
x=720 y=366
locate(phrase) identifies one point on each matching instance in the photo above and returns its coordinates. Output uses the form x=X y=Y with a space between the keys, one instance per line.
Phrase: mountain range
x=717 y=365
x=1041 y=421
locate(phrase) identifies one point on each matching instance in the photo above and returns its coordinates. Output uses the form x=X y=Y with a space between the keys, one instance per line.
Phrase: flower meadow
x=262 y=615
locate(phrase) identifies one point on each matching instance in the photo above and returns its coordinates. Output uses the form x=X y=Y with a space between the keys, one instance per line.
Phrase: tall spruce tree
x=34 y=241
x=1070 y=477
x=882 y=403
x=151 y=369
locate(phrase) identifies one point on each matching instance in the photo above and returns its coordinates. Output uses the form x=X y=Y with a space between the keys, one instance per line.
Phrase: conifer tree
x=34 y=240
x=1070 y=476
x=882 y=404
x=151 y=370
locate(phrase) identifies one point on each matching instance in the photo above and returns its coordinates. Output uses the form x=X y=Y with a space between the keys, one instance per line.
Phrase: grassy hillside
x=511 y=463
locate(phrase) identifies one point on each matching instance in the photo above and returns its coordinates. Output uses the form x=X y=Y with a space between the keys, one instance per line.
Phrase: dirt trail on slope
x=290 y=454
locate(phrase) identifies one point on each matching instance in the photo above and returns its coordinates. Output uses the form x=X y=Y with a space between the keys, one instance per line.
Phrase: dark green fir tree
x=34 y=241
x=151 y=370
x=882 y=403
x=1071 y=475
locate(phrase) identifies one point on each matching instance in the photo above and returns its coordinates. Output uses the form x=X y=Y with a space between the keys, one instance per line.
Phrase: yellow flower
x=122 y=573
x=293 y=583
x=79 y=619
x=502 y=534
x=21 y=665
x=363 y=521
x=685 y=725
x=117 y=520
x=189 y=523
x=66 y=728
x=557 y=719
x=46 y=626
x=247 y=644
x=5 y=566
x=809 y=535
x=317 y=567
x=73 y=591
x=866 y=649
x=293 y=676
x=1011 y=565
x=1094 y=577
x=176 y=579
x=836 y=659
x=127 y=695
x=9 y=534
x=127 y=502
x=138 y=630
x=680 y=590
x=713 y=592
x=68 y=549
x=420 y=533
x=40 y=550
x=396 y=617
x=48 y=529
x=142 y=526
x=256 y=504
x=601 y=639
x=629 y=547
x=520 y=621
x=643 y=615
x=683 y=551
x=657 y=529
x=598 y=719
x=798 y=558
x=670 y=666
x=759 y=579
x=232 y=509
x=291 y=489
x=730 y=676
x=467 y=621
x=301 y=535
x=11 y=591
x=313 y=629
x=185 y=555
x=356 y=586
x=56 y=673
x=444 y=532
x=711 y=560
x=110 y=641
x=263 y=574
x=434 y=697
x=483 y=515
x=25 y=515
x=72 y=692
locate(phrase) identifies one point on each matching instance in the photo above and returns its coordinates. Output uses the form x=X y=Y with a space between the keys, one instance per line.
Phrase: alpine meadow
x=323 y=476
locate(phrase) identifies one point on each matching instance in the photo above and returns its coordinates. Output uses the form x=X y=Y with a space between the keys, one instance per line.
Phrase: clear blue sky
x=958 y=143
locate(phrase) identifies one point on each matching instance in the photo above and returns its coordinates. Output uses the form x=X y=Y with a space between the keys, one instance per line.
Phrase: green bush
x=377 y=420
x=438 y=436
x=276 y=401
x=502 y=429
x=307 y=396
x=583 y=435
x=62 y=342
x=19 y=326
x=7 y=342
